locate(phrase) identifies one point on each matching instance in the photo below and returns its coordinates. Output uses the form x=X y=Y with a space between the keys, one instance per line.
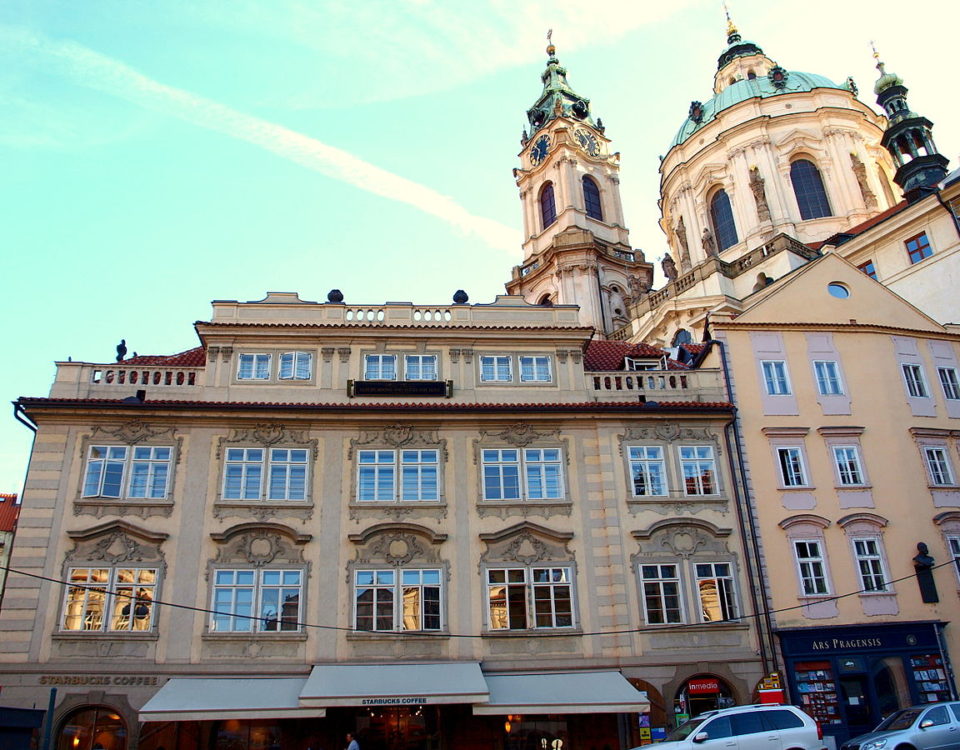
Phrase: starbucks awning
x=203 y=699
x=562 y=693
x=394 y=684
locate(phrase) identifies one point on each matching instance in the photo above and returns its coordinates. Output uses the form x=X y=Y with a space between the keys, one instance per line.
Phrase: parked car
x=932 y=726
x=754 y=727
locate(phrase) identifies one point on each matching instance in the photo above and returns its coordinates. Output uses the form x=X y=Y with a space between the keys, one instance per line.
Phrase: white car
x=755 y=727
x=933 y=726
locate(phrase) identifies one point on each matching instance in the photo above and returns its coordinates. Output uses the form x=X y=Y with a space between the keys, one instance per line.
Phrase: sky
x=155 y=156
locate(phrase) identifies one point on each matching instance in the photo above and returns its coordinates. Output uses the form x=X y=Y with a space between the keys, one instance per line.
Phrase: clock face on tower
x=539 y=151
x=588 y=141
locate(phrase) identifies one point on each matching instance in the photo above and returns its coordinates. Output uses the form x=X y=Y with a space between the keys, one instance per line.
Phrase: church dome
x=777 y=83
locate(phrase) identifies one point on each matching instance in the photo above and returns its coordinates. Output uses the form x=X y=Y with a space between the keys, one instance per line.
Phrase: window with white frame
x=716 y=592
x=420 y=366
x=139 y=472
x=846 y=458
x=110 y=599
x=535 y=369
x=296 y=366
x=540 y=469
x=950 y=382
x=253 y=367
x=397 y=600
x=378 y=472
x=811 y=567
x=380 y=367
x=262 y=600
x=953 y=544
x=775 y=377
x=699 y=469
x=530 y=598
x=792 y=472
x=913 y=377
x=637 y=365
x=866 y=553
x=496 y=369
x=245 y=468
x=647 y=470
x=938 y=465
x=662 y=600
x=828 y=378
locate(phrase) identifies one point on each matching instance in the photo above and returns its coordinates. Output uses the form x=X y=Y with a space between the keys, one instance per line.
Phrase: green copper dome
x=763 y=87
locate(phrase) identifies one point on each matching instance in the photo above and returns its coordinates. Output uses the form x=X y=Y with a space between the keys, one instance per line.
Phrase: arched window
x=808 y=187
x=591 y=198
x=545 y=301
x=548 y=206
x=885 y=185
x=93 y=727
x=724 y=227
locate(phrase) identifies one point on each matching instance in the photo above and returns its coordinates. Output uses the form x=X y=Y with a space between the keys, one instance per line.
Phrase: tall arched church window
x=808 y=187
x=885 y=186
x=591 y=198
x=724 y=227
x=548 y=205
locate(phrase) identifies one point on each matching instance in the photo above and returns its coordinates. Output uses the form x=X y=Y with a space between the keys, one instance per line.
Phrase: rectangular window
x=869 y=269
x=697 y=465
x=953 y=544
x=397 y=600
x=288 y=474
x=146 y=468
x=110 y=599
x=540 y=467
x=810 y=562
x=918 y=248
x=847 y=460
x=828 y=378
x=243 y=473
x=296 y=366
x=938 y=465
x=496 y=369
x=647 y=470
x=535 y=370
x=420 y=366
x=377 y=474
x=791 y=467
x=264 y=600
x=380 y=367
x=869 y=565
x=950 y=383
x=254 y=367
x=775 y=377
x=661 y=594
x=530 y=598
x=286 y=469
x=715 y=587
x=913 y=377
x=636 y=365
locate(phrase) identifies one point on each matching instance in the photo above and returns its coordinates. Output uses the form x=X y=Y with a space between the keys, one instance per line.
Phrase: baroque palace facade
x=579 y=513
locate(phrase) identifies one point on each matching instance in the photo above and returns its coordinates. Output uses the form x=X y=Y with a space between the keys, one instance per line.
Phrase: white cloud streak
x=88 y=68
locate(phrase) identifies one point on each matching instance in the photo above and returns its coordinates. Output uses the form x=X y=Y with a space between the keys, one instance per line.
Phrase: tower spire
x=733 y=35
x=558 y=99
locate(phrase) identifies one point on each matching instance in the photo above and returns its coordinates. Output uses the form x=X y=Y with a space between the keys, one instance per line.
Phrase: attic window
x=751 y=75
x=632 y=363
x=838 y=290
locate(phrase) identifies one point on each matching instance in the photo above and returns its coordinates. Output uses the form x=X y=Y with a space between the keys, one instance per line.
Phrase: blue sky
x=158 y=155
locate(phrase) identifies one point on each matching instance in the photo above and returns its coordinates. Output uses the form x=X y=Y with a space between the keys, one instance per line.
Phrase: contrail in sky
x=88 y=68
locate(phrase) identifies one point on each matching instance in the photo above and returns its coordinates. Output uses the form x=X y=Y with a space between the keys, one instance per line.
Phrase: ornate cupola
x=576 y=248
x=909 y=138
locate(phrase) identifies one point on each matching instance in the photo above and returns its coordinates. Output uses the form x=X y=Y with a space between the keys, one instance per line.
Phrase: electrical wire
x=443 y=634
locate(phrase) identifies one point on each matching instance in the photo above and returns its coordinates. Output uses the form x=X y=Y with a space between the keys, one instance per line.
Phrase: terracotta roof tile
x=442 y=325
x=840 y=237
x=9 y=511
x=607 y=355
x=195 y=357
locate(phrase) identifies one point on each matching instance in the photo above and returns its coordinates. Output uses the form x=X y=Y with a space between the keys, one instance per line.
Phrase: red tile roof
x=862 y=226
x=9 y=511
x=609 y=355
x=195 y=357
x=352 y=406
x=441 y=325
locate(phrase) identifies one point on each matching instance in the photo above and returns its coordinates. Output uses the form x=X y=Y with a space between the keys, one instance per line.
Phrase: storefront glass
x=92 y=728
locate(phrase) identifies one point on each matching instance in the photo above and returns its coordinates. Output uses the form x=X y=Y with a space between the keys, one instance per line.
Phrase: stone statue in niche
x=923 y=565
x=709 y=243
x=669 y=268
x=759 y=194
x=860 y=172
x=638 y=288
x=684 y=251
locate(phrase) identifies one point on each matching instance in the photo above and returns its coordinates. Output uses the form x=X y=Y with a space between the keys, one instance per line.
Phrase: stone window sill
x=298 y=635
x=113 y=635
x=390 y=635
x=537 y=633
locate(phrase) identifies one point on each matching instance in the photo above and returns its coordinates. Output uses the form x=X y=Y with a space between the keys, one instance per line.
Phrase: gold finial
x=551 y=50
x=731 y=26
x=876 y=56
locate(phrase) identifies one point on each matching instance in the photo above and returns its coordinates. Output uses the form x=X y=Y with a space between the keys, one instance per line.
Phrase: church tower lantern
x=576 y=246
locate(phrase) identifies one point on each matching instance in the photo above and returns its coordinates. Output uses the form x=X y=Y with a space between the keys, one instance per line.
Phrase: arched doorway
x=92 y=728
x=701 y=693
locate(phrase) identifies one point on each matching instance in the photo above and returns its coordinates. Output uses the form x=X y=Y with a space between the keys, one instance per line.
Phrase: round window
x=838 y=290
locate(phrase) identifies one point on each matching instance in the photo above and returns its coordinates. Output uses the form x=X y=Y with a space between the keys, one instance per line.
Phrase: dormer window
x=635 y=365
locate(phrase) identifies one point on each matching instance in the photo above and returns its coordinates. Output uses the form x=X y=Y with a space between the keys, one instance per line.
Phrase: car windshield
x=684 y=730
x=899 y=720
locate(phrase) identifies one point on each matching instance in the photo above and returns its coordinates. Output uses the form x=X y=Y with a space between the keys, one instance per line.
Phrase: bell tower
x=576 y=248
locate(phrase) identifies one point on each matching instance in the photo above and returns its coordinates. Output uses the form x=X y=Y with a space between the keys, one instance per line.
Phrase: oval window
x=838 y=290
